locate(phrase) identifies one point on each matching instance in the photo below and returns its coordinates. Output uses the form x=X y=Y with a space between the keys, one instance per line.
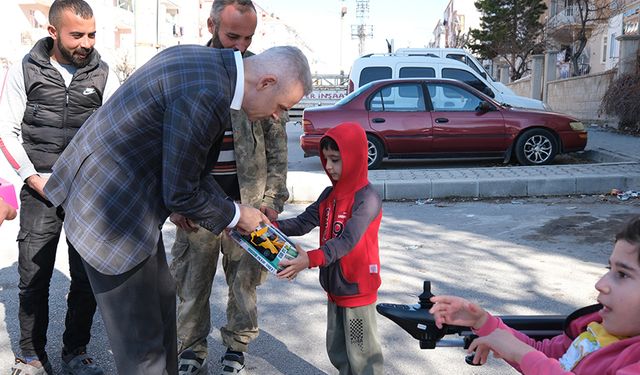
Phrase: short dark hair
x=79 y=7
x=631 y=234
x=327 y=143
x=218 y=6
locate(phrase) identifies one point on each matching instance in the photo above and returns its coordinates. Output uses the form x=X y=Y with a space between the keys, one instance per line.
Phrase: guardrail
x=327 y=90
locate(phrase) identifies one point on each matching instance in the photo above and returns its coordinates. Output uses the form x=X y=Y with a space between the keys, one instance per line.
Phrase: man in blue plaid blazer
x=146 y=153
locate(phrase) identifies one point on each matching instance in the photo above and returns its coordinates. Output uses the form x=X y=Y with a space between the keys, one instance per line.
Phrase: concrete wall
x=580 y=96
x=522 y=86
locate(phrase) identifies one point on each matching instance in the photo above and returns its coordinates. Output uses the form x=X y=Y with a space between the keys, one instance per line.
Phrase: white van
x=374 y=67
x=456 y=54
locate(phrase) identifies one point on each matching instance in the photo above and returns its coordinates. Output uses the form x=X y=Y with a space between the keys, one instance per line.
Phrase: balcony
x=36 y=3
x=169 y=5
x=124 y=19
x=563 y=26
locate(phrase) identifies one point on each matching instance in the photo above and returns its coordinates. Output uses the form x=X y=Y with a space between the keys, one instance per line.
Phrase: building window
x=604 y=49
x=125 y=4
x=613 y=46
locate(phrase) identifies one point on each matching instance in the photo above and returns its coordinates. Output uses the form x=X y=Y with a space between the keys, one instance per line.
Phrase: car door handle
x=378 y=120
x=442 y=120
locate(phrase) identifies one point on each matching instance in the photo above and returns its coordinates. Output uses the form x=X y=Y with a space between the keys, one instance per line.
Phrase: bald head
x=275 y=80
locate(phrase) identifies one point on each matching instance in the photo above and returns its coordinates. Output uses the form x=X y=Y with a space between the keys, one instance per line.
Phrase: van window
x=468 y=78
x=464 y=59
x=374 y=73
x=401 y=97
x=417 y=72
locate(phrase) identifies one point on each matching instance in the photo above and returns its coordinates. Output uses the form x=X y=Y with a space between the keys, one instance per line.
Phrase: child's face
x=334 y=163
x=620 y=291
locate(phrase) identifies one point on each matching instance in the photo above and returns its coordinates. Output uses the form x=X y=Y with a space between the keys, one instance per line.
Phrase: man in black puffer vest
x=59 y=84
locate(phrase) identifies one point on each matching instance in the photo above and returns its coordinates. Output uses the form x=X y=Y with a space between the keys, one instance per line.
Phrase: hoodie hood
x=352 y=142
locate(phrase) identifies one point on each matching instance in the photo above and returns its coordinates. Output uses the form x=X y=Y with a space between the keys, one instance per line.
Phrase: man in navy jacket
x=147 y=153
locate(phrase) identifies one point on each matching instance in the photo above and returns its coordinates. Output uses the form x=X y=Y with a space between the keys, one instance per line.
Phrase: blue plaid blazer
x=146 y=153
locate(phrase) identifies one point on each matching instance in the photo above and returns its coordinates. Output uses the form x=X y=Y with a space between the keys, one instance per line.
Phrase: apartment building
x=458 y=18
x=130 y=32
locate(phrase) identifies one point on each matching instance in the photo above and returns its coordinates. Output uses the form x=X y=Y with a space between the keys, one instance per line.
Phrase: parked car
x=373 y=67
x=458 y=54
x=443 y=118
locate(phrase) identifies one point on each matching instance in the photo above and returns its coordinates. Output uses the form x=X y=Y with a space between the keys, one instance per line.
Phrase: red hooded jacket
x=348 y=215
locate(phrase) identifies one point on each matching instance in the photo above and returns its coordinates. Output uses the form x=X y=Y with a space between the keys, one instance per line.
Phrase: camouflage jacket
x=261 y=158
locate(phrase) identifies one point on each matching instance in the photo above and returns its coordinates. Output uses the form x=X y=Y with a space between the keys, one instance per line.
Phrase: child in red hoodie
x=348 y=214
x=602 y=339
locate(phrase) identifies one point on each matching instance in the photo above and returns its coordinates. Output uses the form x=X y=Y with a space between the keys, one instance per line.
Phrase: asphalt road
x=514 y=256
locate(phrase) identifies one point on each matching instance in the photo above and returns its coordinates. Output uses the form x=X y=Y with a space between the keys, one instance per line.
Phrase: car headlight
x=577 y=126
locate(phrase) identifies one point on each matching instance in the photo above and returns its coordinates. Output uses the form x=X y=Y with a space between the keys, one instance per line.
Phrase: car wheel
x=536 y=147
x=375 y=152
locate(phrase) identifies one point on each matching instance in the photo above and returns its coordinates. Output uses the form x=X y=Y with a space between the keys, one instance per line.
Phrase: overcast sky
x=409 y=23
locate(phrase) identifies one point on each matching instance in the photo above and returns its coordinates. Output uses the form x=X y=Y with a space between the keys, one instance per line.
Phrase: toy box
x=8 y=193
x=268 y=245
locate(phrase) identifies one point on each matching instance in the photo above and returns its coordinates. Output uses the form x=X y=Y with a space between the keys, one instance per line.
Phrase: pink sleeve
x=536 y=363
x=634 y=369
x=544 y=361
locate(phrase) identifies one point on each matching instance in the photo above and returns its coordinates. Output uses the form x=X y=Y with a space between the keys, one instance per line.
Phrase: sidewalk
x=616 y=165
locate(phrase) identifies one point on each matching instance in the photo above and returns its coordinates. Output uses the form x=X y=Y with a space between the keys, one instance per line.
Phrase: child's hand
x=7 y=212
x=457 y=311
x=295 y=265
x=503 y=344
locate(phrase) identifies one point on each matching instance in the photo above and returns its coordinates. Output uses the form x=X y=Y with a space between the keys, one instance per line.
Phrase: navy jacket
x=146 y=153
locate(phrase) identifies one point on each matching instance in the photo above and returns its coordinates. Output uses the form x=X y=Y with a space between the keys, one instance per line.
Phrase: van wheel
x=536 y=147
x=375 y=152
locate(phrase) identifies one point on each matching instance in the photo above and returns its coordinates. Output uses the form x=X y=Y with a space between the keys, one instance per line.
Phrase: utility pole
x=361 y=31
x=343 y=11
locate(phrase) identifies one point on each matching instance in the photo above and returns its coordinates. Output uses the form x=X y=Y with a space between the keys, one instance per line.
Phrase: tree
x=587 y=14
x=509 y=29
x=124 y=68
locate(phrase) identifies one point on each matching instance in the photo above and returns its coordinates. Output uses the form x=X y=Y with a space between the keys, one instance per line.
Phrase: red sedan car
x=440 y=118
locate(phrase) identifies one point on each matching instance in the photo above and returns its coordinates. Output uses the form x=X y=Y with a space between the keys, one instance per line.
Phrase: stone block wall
x=580 y=96
x=576 y=96
x=522 y=86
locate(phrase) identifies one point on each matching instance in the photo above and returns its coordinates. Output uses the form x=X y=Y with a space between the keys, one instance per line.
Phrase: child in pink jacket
x=604 y=341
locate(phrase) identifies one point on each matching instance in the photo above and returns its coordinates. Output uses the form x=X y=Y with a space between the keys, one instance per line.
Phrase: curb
x=517 y=181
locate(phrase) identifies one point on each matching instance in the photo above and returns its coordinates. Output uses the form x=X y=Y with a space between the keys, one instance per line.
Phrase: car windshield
x=351 y=96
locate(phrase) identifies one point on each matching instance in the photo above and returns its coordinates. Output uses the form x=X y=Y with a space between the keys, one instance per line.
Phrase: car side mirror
x=484 y=107
x=487 y=91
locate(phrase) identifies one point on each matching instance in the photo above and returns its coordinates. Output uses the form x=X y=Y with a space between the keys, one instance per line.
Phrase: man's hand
x=271 y=214
x=37 y=182
x=183 y=223
x=293 y=266
x=250 y=219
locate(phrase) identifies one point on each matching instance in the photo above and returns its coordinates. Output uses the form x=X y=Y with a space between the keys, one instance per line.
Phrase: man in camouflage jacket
x=195 y=254
x=260 y=153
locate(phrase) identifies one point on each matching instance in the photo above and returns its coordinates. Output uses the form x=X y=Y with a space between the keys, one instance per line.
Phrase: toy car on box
x=268 y=245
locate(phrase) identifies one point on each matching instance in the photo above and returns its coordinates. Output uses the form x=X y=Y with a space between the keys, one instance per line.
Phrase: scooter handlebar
x=420 y=324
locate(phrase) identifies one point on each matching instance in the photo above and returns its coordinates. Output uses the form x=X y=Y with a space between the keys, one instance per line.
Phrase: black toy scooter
x=419 y=323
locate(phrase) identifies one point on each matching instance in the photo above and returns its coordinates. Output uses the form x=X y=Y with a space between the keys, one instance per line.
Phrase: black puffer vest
x=54 y=113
